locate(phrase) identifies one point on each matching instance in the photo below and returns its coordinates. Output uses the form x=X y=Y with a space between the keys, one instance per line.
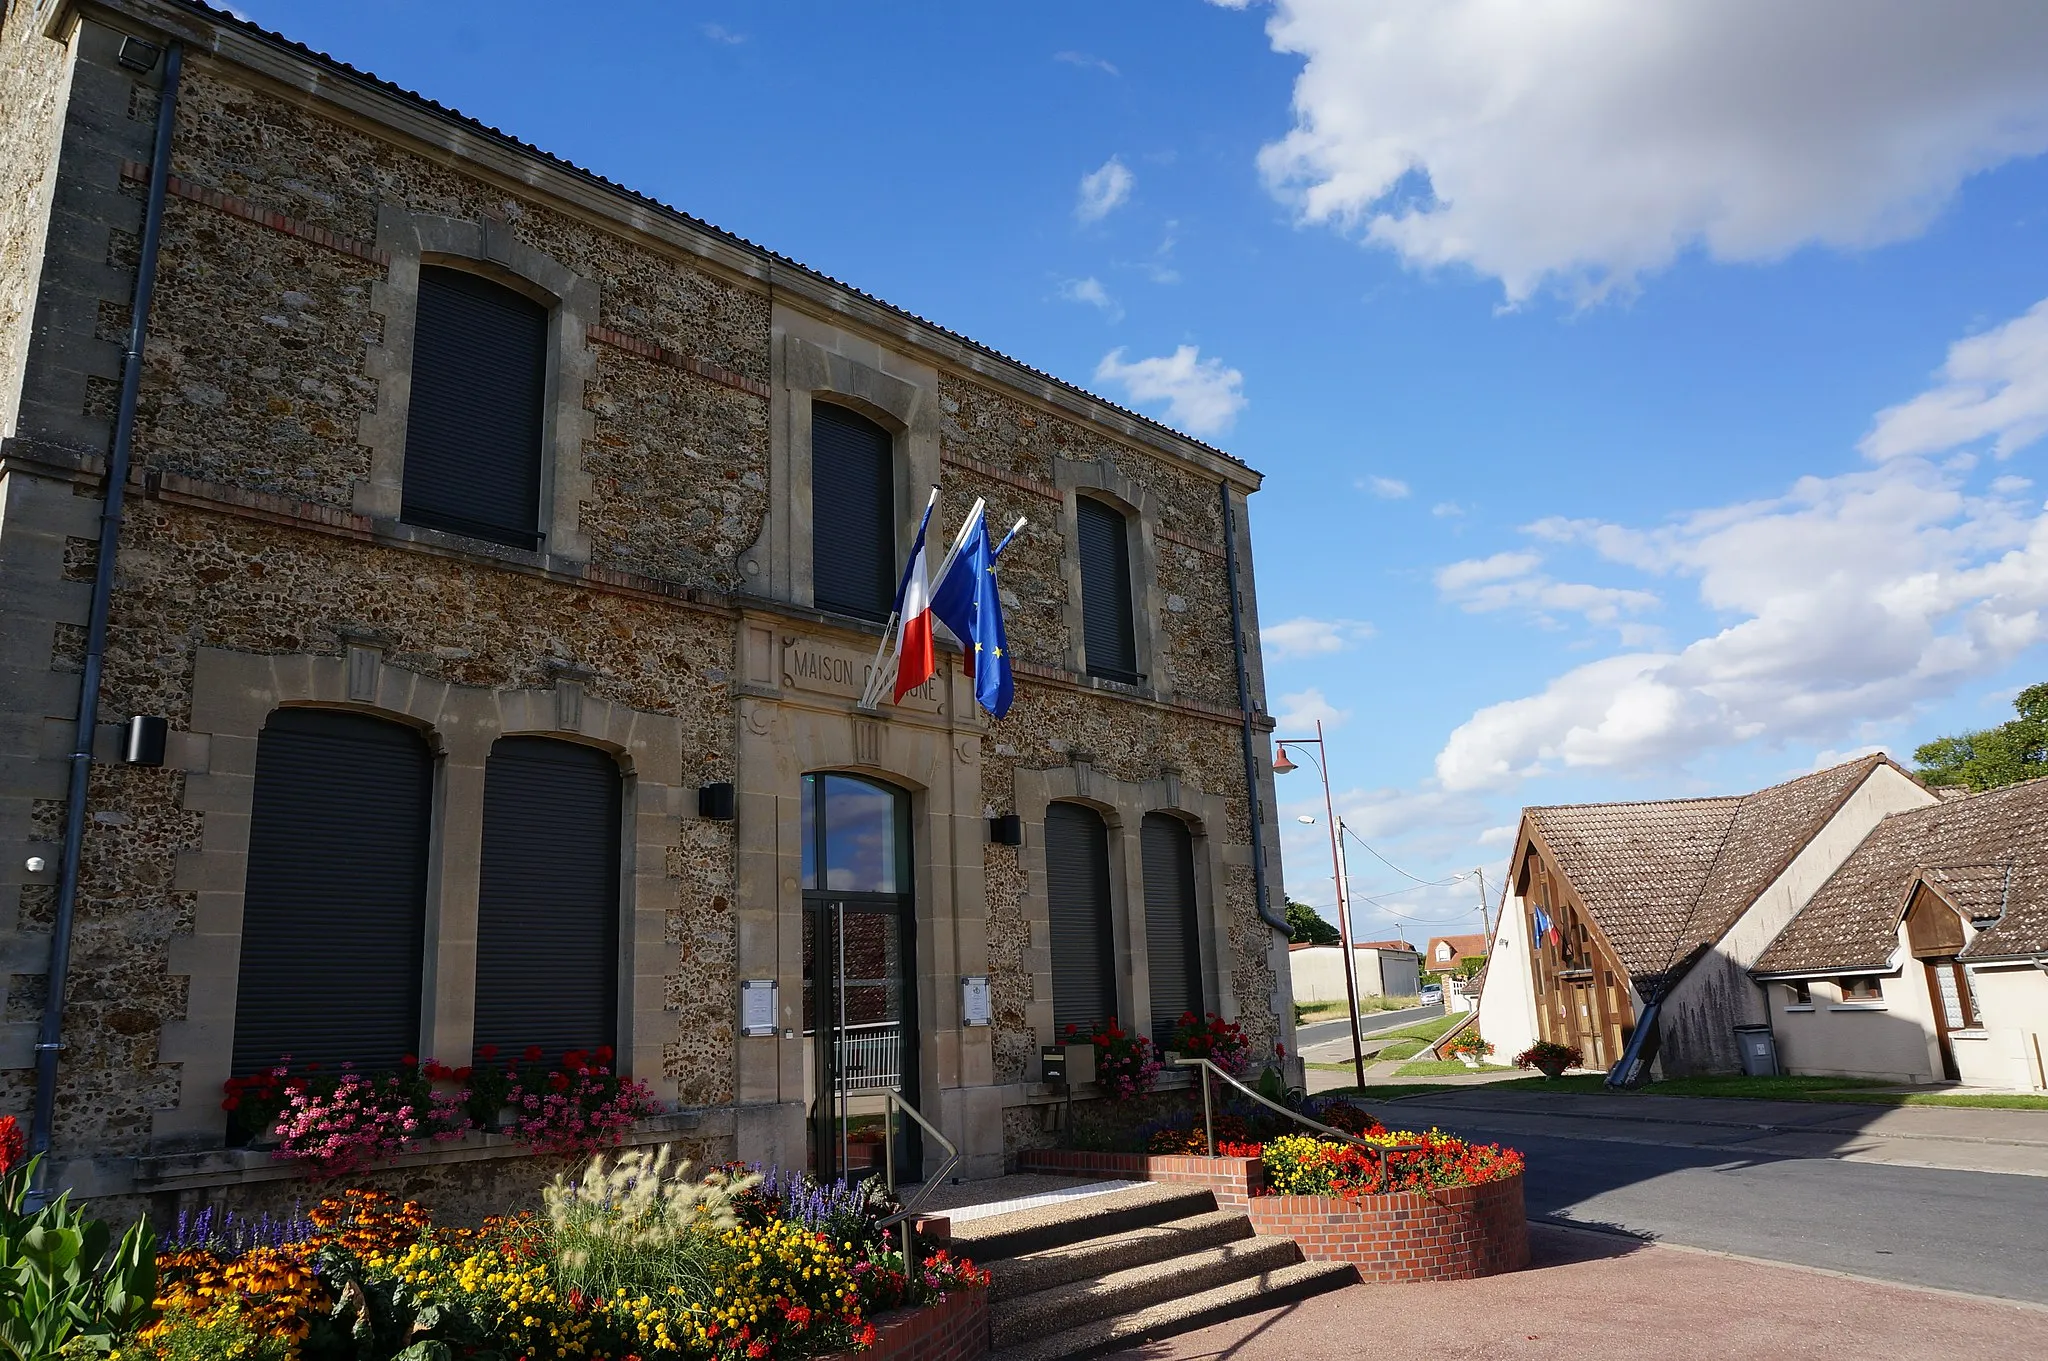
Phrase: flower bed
x=636 y=1259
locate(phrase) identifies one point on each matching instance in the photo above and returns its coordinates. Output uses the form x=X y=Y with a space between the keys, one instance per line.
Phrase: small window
x=1107 y=628
x=547 y=931
x=853 y=517
x=1077 y=902
x=473 y=430
x=1862 y=990
x=334 y=905
x=1173 y=945
x=1799 y=993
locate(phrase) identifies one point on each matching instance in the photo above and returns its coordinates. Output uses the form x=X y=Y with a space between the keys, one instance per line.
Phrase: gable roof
x=1663 y=879
x=1384 y=945
x=1472 y=944
x=1986 y=854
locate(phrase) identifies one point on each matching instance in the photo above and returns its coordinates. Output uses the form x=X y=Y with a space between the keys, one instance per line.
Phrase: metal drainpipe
x=49 y=1037
x=1244 y=706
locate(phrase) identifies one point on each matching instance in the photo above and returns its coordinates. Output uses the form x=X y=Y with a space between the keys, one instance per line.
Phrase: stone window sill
x=1859 y=1006
x=1969 y=1034
x=244 y=1166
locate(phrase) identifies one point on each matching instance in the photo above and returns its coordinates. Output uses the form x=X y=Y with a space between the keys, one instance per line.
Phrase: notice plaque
x=974 y=1000
x=830 y=669
x=757 y=1007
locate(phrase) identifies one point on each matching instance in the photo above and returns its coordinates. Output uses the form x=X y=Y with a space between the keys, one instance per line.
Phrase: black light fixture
x=146 y=735
x=715 y=801
x=1007 y=830
x=138 y=55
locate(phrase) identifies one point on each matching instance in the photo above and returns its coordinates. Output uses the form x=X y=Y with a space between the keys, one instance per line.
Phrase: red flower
x=409 y=1061
x=487 y=1052
x=13 y=1143
x=532 y=1054
x=604 y=1055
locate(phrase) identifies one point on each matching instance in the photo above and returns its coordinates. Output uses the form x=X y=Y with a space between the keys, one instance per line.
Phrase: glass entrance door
x=860 y=980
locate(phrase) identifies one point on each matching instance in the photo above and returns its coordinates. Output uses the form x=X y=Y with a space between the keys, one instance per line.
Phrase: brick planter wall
x=956 y=1329
x=1450 y=1235
x=1233 y=1180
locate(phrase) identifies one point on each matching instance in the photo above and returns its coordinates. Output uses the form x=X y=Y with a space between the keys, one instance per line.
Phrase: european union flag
x=964 y=600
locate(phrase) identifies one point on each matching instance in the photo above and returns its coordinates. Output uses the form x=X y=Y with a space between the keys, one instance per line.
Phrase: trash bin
x=1759 y=1050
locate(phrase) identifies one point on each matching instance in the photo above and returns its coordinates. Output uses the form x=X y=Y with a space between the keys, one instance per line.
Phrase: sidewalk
x=1594 y=1296
x=1961 y=1138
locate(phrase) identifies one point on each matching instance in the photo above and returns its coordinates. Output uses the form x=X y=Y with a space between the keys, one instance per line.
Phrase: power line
x=1431 y=883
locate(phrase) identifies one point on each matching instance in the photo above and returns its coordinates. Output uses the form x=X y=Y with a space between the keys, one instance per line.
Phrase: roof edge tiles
x=247 y=44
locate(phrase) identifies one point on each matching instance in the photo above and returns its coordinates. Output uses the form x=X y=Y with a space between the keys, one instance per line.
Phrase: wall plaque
x=974 y=1000
x=758 y=1015
x=831 y=669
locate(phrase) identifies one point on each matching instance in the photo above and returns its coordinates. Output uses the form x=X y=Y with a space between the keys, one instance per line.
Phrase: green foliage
x=223 y=1335
x=1993 y=757
x=65 y=1285
x=1308 y=925
x=1470 y=965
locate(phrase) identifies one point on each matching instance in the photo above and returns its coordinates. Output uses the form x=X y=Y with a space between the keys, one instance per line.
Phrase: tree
x=1309 y=926
x=2013 y=751
x=1470 y=965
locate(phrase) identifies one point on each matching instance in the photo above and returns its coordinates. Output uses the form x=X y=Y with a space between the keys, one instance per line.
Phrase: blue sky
x=1649 y=396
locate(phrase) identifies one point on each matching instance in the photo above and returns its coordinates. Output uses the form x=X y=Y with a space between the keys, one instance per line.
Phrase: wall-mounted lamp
x=715 y=801
x=138 y=55
x=1282 y=765
x=1007 y=830
x=147 y=734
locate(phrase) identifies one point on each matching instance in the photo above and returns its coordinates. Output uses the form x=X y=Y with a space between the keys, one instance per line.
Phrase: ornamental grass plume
x=641 y=1224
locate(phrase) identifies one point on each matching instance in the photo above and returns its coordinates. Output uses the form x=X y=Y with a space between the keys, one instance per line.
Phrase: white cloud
x=2009 y=485
x=1994 y=384
x=1202 y=396
x=1298 y=712
x=1853 y=598
x=1104 y=190
x=1386 y=488
x=1307 y=637
x=1091 y=292
x=1086 y=62
x=1585 y=144
x=1444 y=510
x=719 y=33
x=1510 y=580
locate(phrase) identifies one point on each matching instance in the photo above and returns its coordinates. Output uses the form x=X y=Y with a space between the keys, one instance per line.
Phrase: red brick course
x=955 y=1329
x=1452 y=1235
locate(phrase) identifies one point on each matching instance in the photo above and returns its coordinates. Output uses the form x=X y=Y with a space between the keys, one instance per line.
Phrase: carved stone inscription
x=829 y=669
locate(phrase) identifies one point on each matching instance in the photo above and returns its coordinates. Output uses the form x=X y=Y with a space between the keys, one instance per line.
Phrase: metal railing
x=908 y=1213
x=871 y=1057
x=1207 y=1067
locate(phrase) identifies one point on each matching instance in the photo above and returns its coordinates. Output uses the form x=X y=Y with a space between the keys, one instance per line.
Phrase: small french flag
x=916 y=661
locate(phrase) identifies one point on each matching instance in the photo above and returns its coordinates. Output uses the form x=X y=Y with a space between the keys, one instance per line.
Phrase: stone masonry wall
x=32 y=88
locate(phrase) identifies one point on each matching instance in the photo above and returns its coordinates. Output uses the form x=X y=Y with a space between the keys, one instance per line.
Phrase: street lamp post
x=1281 y=766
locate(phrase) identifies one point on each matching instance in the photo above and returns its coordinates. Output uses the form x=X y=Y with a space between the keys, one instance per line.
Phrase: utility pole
x=1485 y=924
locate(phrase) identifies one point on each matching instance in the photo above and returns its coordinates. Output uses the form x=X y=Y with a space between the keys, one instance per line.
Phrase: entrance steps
x=1100 y=1272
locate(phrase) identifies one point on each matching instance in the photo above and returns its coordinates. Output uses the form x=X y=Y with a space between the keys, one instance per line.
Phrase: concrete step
x=1251 y=1295
x=1019 y=1276
x=1074 y=1221
x=1065 y=1307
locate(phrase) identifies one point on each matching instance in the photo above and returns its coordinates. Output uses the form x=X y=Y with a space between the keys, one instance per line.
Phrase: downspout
x=49 y=1037
x=1244 y=706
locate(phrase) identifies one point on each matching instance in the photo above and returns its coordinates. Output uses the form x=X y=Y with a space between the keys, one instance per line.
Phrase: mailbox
x=1052 y=1065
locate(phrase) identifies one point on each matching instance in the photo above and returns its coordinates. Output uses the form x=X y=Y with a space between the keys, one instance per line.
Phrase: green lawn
x=1406 y=1042
x=1855 y=1091
x=1434 y=1068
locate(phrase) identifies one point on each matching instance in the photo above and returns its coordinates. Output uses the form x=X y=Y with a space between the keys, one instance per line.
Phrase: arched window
x=1173 y=942
x=333 y=910
x=1107 y=631
x=473 y=430
x=853 y=514
x=1077 y=893
x=547 y=930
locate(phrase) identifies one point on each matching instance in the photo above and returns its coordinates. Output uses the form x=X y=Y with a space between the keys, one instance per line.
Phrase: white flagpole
x=871 y=694
x=998 y=550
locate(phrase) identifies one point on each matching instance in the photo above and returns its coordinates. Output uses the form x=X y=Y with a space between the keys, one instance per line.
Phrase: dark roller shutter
x=853 y=516
x=473 y=431
x=547 y=932
x=1077 y=892
x=1106 y=591
x=1172 y=942
x=333 y=911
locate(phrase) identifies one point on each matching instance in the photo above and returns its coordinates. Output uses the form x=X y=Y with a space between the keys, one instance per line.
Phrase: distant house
x=1606 y=904
x=1445 y=952
x=1386 y=968
x=1925 y=955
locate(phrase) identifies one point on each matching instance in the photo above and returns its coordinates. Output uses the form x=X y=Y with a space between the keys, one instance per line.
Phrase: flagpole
x=998 y=552
x=870 y=694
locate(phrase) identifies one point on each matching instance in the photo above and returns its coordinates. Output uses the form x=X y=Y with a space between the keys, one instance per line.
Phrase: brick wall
x=1450 y=1235
x=955 y=1329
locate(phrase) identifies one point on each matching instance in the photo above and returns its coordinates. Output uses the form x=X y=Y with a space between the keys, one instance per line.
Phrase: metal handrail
x=909 y=1211
x=1209 y=1124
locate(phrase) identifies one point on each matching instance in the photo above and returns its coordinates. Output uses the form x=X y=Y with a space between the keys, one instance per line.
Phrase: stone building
x=505 y=551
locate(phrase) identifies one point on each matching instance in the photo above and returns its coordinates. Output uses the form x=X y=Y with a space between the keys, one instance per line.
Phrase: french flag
x=916 y=661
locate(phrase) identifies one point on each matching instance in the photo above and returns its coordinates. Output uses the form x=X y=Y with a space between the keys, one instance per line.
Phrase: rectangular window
x=1799 y=993
x=473 y=427
x=1077 y=904
x=1112 y=646
x=1862 y=990
x=1173 y=946
x=853 y=514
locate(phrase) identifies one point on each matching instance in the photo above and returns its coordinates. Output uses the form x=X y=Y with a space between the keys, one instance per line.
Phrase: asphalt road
x=1982 y=1232
x=1370 y=1022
